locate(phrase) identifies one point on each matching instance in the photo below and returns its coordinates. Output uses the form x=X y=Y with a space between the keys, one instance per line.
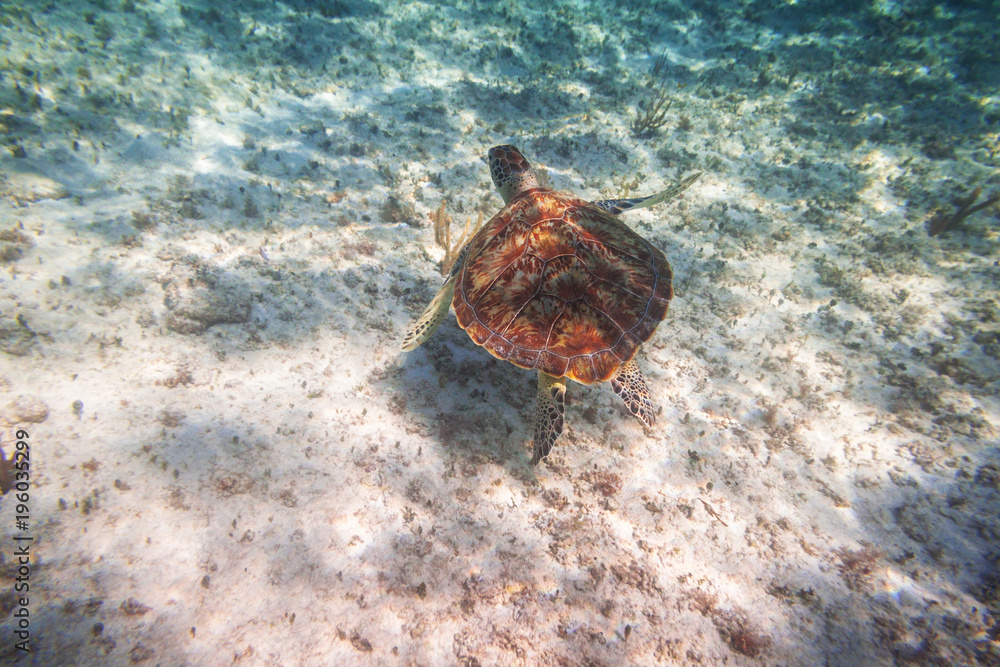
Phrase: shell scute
x=476 y=330
x=605 y=263
x=497 y=307
x=605 y=363
x=580 y=366
x=524 y=357
x=500 y=346
x=533 y=325
x=620 y=306
x=657 y=309
x=552 y=238
x=557 y=364
x=505 y=247
x=565 y=277
x=581 y=330
x=606 y=231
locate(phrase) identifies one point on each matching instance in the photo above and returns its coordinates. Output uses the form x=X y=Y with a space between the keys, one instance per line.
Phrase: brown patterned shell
x=555 y=283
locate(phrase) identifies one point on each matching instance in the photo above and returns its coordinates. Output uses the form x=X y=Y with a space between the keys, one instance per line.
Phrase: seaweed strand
x=942 y=223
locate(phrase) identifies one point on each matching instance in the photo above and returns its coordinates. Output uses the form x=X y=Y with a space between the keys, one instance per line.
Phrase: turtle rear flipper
x=549 y=413
x=629 y=384
x=427 y=323
x=616 y=206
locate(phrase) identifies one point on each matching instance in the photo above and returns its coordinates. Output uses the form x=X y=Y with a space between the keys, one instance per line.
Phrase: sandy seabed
x=217 y=224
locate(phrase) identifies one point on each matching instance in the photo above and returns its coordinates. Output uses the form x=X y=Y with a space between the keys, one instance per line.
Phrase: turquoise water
x=218 y=222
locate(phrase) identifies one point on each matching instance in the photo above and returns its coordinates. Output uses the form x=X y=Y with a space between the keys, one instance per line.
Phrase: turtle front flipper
x=631 y=386
x=429 y=321
x=616 y=206
x=549 y=413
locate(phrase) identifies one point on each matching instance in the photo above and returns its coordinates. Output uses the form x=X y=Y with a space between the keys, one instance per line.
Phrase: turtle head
x=512 y=174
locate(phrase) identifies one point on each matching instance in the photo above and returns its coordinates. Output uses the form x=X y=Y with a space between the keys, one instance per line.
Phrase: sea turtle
x=558 y=284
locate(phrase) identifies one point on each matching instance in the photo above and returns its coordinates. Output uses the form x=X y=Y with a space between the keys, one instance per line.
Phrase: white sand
x=223 y=265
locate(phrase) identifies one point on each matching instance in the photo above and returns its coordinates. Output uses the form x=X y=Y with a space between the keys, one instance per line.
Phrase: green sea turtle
x=560 y=285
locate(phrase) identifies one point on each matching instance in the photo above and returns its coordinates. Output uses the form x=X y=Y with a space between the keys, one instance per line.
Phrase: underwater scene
x=344 y=332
